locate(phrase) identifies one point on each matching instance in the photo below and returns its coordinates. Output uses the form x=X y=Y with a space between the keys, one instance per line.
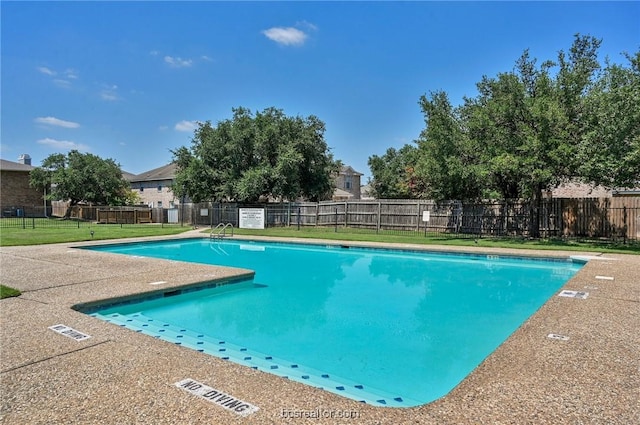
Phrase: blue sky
x=128 y=80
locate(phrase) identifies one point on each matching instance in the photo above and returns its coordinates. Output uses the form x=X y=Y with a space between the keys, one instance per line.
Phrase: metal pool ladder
x=220 y=231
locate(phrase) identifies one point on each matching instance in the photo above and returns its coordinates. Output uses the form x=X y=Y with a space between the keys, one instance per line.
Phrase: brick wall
x=16 y=192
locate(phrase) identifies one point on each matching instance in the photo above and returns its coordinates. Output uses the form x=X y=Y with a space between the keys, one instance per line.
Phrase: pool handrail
x=220 y=231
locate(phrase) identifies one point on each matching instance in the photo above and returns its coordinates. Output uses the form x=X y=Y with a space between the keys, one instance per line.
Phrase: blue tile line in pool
x=259 y=361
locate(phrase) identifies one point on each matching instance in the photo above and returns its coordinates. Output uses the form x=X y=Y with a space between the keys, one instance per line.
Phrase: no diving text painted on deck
x=70 y=332
x=231 y=403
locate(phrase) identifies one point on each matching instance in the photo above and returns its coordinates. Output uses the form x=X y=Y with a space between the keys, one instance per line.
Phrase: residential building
x=15 y=192
x=366 y=192
x=347 y=183
x=584 y=190
x=154 y=187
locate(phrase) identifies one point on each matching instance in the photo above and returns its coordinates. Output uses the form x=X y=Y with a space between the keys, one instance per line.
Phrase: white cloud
x=46 y=70
x=110 y=93
x=56 y=122
x=286 y=36
x=62 y=79
x=307 y=25
x=178 y=62
x=154 y=53
x=206 y=58
x=62 y=144
x=71 y=74
x=163 y=128
x=185 y=125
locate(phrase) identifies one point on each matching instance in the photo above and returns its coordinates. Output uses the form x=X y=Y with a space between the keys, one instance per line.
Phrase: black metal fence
x=615 y=219
x=51 y=217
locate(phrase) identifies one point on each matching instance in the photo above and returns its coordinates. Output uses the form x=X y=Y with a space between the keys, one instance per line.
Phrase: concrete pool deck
x=118 y=376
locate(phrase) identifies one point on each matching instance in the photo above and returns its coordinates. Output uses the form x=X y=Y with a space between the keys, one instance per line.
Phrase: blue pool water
x=390 y=328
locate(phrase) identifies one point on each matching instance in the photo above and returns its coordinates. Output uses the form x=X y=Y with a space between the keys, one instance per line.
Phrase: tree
x=447 y=163
x=393 y=174
x=609 y=152
x=520 y=123
x=79 y=177
x=251 y=157
x=530 y=129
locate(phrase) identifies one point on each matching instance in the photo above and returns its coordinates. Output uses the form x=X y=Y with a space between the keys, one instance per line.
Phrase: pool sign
x=231 y=403
x=70 y=332
x=558 y=337
x=426 y=215
x=251 y=218
x=574 y=294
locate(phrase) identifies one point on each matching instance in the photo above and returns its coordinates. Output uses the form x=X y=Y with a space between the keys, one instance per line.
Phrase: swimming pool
x=386 y=327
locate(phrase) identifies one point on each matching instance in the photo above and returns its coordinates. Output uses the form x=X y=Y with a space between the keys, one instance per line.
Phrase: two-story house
x=347 y=184
x=154 y=187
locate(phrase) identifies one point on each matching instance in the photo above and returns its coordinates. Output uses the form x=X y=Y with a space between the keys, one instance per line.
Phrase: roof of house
x=347 y=169
x=580 y=190
x=127 y=175
x=366 y=191
x=166 y=172
x=14 y=166
x=342 y=194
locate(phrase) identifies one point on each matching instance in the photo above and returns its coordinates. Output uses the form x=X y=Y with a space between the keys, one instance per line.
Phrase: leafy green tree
x=530 y=129
x=609 y=151
x=393 y=174
x=256 y=156
x=520 y=125
x=79 y=177
x=576 y=75
x=447 y=162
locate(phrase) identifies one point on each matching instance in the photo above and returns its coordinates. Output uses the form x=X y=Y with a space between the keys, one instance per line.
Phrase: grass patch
x=443 y=239
x=7 y=292
x=45 y=235
x=79 y=232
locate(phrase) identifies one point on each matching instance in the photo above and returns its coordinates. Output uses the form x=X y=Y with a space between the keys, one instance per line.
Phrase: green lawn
x=14 y=236
x=435 y=239
x=45 y=235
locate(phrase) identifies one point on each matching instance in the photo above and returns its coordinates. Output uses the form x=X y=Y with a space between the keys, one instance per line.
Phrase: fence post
x=379 y=216
x=624 y=220
x=298 y=217
x=336 y=221
x=418 y=217
x=346 y=224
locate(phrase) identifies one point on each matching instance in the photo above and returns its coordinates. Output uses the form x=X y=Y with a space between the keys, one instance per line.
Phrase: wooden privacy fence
x=123 y=216
x=104 y=214
x=607 y=218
